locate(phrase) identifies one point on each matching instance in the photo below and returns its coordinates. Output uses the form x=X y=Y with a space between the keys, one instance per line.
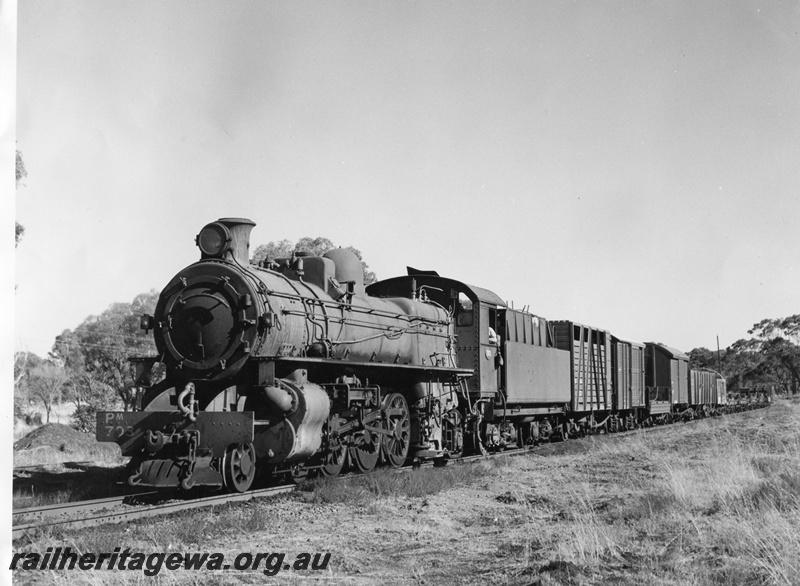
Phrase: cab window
x=464 y=313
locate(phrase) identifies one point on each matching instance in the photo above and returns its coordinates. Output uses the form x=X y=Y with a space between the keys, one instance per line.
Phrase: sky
x=630 y=165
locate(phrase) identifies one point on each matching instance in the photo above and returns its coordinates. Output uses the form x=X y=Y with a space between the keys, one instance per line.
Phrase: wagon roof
x=579 y=324
x=628 y=341
x=675 y=353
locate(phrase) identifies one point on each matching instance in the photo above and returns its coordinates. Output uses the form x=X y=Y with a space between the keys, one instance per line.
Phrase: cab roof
x=402 y=286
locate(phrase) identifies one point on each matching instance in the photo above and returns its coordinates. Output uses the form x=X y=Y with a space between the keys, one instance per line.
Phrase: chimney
x=240 y=231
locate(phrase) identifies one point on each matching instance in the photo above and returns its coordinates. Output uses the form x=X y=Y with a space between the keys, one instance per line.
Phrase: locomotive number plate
x=217 y=430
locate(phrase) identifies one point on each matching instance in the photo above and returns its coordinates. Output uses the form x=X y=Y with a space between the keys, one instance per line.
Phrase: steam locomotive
x=294 y=366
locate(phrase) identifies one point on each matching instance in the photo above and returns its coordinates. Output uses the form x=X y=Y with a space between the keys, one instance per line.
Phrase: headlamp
x=214 y=239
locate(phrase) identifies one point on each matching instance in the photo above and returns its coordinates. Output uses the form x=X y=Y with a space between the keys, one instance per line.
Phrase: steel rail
x=45 y=512
x=20 y=530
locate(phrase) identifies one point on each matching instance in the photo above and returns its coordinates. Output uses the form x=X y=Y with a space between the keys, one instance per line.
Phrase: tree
x=273 y=250
x=90 y=395
x=778 y=341
x=24 y=363
x=316 y=246
x=86 y=389
x=21 y=174
x=369 y=276
x=97 y=351
x=742 y=365
x=703 y=358
x=770 y=357
x=47 y=381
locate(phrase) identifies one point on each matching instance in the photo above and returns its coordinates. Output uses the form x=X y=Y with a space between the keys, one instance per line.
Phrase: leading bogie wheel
x=333 y=462
x=239 y=467
x=298 y=474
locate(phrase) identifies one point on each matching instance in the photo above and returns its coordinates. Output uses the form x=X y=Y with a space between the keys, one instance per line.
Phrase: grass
x=717 y=508
x=101 y=455
x=239 y=522
x=49 y=488
x=77 y=491
x=366 y=489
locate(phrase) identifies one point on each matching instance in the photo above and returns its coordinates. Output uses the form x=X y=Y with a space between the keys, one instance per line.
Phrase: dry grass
x=721 y=505
x=101 y=455
x=366 y=489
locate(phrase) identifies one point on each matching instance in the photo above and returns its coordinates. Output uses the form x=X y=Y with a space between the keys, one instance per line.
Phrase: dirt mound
x=58 y=436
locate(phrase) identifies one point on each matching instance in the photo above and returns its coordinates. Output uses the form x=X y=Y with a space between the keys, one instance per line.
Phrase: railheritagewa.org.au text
x=151 y=564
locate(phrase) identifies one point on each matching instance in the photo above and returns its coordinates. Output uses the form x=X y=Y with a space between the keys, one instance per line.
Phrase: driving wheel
x=398 y=423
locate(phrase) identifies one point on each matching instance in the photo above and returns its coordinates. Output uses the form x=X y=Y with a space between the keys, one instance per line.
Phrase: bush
x=33 y=418
x=85 y=418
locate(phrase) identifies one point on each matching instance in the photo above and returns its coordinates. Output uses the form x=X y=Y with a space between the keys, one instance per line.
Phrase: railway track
x=80 y=514
x=112 y=509
x=105 y=511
